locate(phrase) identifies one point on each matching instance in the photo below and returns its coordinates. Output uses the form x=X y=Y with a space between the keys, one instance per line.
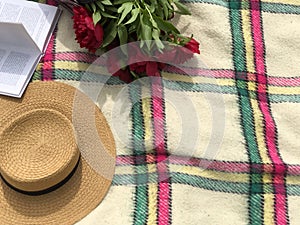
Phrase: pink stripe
x=49 y=57
x=201 y=72
x=159 y=134
x=48 y=60
x=220 y=73
x=279 y=168
x=281 y=81
x=222 y=166
x=76 y=56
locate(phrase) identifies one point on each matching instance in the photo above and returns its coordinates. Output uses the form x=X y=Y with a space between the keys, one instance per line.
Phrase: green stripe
x=73 y=75
x=280 y=8
x=199 y=87
x=37 y=75
x=61 y=74
x=255 y=197
x=205 y=183
x=141 y=191
x=268 y=7
x=284 y=98
x=210 y=184
x=239 y=60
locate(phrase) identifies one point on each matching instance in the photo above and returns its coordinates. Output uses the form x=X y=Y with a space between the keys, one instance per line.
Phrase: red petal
x=151 y=68
x=89 y=23
x=99 y=33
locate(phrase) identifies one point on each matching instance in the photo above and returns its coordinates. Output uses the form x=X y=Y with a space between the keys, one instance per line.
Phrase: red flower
x=124 y=75
x=150 y=68
x=193 y=45
x=87 y=34
x=179 y=54
x=113 y=65
x=141 y=63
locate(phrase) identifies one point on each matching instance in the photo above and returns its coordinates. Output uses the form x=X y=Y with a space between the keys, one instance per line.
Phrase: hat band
x=46 y=191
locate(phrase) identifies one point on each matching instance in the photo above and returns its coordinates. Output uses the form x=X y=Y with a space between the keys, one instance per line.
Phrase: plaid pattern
x=251 y=49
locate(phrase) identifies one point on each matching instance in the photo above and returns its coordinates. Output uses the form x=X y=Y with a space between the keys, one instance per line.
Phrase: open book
x=25 y=31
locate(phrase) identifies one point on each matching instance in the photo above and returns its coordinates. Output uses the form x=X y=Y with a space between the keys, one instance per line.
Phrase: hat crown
x=39 y=150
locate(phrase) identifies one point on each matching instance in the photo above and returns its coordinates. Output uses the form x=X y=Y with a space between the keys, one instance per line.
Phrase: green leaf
x=165 y=25
x=106 y=2
x=153 y=23
x=134 y=13
x=153 y=7
x=139 y=31
x=125 y=9
x=182 y=8
x=146 y=33
x=153 y=2
x=122 y=33
x=123 y=37
x=111 y=8
x=166 y=11
x=87 y=6
x=118 y=2
x=132 y=28
x=99 y=4
x=108 y=15
x=123 y=6
x=156 y=37
x=110 y=33
x=96 y=17
x=159 y=11
x=146 y=18
x=93 y=7
x=170 y=7
x=155 y=34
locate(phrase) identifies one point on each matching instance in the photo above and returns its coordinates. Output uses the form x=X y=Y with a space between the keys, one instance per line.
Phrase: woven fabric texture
x=245 y=111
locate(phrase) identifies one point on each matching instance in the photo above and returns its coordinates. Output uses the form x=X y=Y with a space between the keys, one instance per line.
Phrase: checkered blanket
x=216 y=146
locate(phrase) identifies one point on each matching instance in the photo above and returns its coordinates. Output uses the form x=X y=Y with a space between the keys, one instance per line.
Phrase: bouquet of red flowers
x=106 y=24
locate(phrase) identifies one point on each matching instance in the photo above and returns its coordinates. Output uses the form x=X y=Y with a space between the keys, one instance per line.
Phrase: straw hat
x=45 y=179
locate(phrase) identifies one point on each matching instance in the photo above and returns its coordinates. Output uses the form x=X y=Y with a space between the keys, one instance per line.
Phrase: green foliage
x=137 y=20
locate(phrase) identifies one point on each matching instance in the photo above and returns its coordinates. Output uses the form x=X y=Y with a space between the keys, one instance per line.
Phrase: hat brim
x=82 y=192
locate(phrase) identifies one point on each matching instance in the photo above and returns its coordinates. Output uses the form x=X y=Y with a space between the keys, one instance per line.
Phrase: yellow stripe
x=198 y=79
x=268 y=201
x=252 y=87
x=120 y=170
x=152 y=168
x=284 y=90
x=39 y=67
x=231 y=82
x=291 y=2
x=71 y=65
x=269 y=209
x=259 y=131
x=211 y=174
x=248 y=41
x=294 y=180
x=196 y=171
x=152 y=188
x=257 y=114
x=267 y=178
x=146 y=105
x=80 y=66
x=152 y=204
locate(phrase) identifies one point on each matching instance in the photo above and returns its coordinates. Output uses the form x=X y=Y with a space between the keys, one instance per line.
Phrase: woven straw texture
x=251 y=49
x=38 y=150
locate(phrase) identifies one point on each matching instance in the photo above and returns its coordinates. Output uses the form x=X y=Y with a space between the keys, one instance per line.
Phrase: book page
x=18 y=57
x=15 y=67
x=36 y=18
